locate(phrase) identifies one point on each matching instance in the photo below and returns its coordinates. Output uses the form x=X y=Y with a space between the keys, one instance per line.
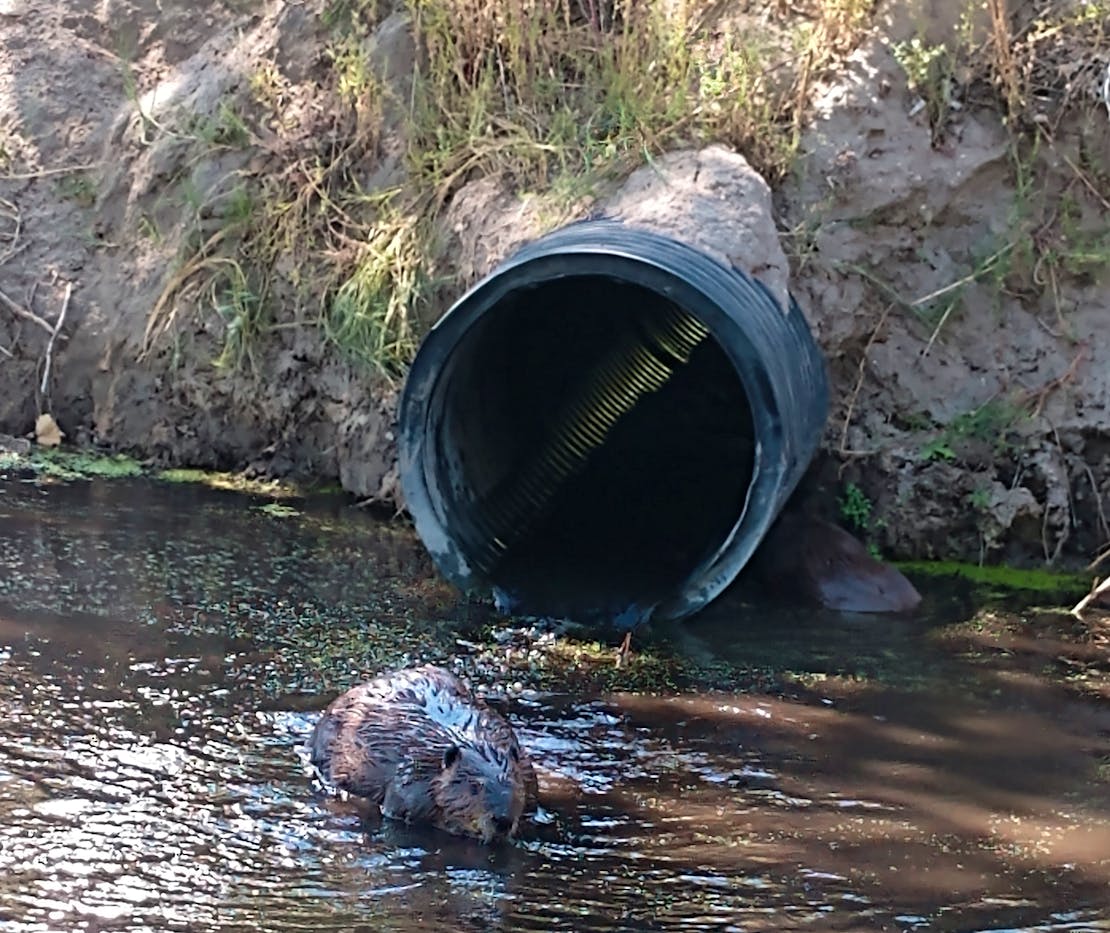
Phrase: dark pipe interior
x=655 y=499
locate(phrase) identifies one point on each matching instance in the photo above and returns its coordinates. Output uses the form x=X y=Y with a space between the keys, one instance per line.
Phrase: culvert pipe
x=604 y=428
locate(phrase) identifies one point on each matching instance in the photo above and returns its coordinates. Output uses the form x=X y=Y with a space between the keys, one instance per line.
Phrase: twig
x=859 y=380
x=53 y=337
x=1041 y=394
x=45 y=172
x=1096 y=591
x=8 y=353
x=966 y=280
x=1099 y=558
x=20 y=311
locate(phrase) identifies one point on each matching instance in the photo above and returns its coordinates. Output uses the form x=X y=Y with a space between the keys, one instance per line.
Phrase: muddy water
x=163 y=650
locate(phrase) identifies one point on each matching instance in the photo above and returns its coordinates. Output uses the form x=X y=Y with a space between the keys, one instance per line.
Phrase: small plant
x=938 y=448
x=855 y=508
x=991 y=423
x=930 y=72
x=979 y=499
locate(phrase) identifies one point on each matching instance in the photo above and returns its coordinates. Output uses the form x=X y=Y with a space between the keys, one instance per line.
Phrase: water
x=163 y=652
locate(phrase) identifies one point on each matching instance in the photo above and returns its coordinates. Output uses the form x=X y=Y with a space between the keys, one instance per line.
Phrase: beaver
x=424 y=749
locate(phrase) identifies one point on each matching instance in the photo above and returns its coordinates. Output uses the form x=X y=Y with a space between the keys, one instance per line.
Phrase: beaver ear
x=450 y=756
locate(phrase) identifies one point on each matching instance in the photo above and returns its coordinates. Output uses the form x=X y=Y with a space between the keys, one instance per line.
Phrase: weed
x=347 y=17
x=855 y=508
x=939 y=448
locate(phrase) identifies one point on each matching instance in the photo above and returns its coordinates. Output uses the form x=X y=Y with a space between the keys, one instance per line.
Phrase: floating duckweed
x=277 y=510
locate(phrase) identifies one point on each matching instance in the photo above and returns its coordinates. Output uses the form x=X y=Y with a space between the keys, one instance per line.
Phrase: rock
x=809 y=560
x=714 y=200
x=14 y=445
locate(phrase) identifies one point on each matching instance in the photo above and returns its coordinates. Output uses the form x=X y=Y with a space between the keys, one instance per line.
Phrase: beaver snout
x=502 y=825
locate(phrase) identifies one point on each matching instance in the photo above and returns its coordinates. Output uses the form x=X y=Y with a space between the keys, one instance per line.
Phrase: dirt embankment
x=959 y=283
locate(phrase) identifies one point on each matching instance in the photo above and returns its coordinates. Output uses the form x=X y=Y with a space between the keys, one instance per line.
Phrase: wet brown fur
x=423 y=748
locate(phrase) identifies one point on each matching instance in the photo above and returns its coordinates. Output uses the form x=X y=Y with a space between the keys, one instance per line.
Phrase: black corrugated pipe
x=605 y=427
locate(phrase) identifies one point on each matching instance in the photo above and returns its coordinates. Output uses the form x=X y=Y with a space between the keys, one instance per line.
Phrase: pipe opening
x=589 y=445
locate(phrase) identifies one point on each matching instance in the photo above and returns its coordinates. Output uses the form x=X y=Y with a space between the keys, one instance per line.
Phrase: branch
x=1096 y=592
x=22 y=312
x=53 y=337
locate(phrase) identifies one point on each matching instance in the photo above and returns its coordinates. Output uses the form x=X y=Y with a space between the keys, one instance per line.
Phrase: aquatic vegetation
x=277 y=510
x=71 y=465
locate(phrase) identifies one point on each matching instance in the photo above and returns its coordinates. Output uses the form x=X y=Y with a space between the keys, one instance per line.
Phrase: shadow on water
x=158 y=653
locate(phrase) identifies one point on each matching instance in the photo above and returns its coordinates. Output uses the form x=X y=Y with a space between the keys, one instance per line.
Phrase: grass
x=558 y=99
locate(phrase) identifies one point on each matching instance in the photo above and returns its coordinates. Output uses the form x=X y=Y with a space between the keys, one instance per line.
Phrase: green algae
x=1001 y=578
x=71 y=465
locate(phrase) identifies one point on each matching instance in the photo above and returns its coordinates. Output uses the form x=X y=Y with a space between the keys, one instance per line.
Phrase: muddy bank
x=960 y=296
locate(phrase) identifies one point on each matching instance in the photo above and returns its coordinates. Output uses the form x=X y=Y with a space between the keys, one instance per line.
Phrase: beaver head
x=480 y=790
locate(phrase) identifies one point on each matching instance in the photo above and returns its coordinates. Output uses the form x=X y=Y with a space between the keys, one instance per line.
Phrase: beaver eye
x=450 y=756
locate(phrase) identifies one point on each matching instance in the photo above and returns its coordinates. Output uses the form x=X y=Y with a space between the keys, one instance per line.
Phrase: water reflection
x=149 y=776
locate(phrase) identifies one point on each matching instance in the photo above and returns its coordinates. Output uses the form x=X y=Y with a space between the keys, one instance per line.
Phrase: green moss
x=1001 y=577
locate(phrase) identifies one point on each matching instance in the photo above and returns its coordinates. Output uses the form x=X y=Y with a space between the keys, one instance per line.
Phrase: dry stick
x=8 y=353
x=44 y=172
x=859 y=380
x=22 y=312
x=1099 y=558
x=1096 y=591
x=53 y=337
